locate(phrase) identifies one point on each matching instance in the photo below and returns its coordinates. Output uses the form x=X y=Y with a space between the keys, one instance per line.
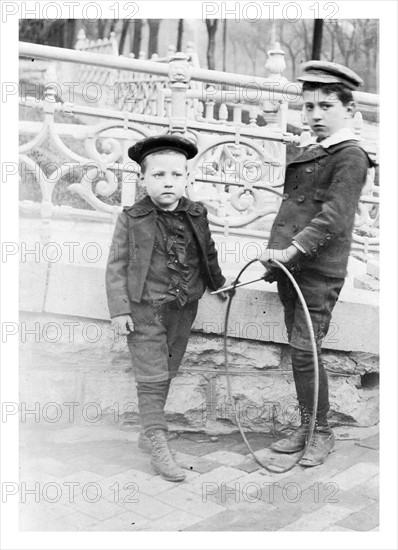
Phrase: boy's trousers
x=320 y=293
x=157 y=347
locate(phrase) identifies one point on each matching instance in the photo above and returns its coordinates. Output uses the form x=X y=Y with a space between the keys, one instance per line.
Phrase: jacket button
x=285 y=196
x=295 y=227
x=314 y=249
x=328 y=236
x=301 y=198
x=321 y=243
x=309 y=169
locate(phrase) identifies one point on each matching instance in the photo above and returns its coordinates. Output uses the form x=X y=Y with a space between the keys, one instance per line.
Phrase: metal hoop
x=311 y=426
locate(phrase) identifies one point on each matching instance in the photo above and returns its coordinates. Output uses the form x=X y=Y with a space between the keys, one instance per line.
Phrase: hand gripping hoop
x=311 y=427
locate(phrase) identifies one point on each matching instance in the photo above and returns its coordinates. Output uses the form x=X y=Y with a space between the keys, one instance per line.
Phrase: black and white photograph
x=198 y=262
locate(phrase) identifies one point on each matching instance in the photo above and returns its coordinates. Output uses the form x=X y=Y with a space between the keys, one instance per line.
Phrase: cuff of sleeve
x=118 y=305
x=299 y=247
x=311 y=238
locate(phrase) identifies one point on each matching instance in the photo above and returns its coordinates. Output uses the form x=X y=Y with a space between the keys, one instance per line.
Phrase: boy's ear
x=351 y=108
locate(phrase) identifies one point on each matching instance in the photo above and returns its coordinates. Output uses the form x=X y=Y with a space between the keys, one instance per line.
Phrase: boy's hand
x=122 y=325
x=284 y=256
x=224 y=295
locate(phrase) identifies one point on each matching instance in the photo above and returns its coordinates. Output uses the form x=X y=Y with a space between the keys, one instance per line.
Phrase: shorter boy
x=313 y=232
x=161 y=260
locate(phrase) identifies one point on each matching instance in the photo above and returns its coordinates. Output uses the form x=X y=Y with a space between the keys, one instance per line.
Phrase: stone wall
x=70 y=360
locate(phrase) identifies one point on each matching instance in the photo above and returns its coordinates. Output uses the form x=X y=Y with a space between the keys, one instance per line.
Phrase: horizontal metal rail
x=39 y=51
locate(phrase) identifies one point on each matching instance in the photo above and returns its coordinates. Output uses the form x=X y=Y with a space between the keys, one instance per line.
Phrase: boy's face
x=165 y=178
x=325 y=112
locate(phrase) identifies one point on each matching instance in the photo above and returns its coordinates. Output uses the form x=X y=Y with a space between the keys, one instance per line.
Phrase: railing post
x=275 y=111
x=179 y=75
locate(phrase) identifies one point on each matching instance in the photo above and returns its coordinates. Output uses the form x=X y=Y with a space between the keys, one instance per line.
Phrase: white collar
x=344 y=134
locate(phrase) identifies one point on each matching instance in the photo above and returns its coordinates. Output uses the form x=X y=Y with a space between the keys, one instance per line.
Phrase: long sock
x=151 y=402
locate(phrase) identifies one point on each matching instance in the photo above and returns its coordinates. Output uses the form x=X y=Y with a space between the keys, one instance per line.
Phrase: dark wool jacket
x=131 y=251
x=321 y=193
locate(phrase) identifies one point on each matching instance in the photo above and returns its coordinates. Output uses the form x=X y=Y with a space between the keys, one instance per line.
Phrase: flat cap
x=326 y=72
x=154 y=144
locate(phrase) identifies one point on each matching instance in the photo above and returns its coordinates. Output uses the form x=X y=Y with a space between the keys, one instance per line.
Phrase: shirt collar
x=182 y=206
x=344 y=134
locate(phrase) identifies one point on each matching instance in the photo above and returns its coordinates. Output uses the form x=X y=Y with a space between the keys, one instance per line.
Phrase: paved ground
x=94 y=478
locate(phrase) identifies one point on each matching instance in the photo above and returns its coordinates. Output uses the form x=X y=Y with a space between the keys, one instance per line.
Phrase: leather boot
x=320 y=446
x=295 y=442
x=161 y=458
x=145 y=445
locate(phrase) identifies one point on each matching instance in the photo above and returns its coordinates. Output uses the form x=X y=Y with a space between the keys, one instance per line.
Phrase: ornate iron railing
x=238 y=172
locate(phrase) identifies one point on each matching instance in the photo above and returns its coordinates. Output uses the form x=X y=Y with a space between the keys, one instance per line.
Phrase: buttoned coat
x=321 y=193
x=131 y=251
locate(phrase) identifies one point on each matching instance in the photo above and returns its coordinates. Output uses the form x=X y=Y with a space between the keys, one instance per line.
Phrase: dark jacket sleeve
x=116 y=269
x=340 y=201
x=212 y=257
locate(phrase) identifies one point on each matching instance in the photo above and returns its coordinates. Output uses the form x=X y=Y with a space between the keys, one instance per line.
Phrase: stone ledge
x=256 y=314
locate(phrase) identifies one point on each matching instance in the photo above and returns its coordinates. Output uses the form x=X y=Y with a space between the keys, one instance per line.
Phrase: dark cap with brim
x=154 y=144
x=326 y=72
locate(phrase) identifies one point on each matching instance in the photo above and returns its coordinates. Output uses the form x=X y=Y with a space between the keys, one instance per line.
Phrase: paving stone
x=248 y=467
x=35 y=514
x=371 y=456
x=76 y=521
x=201 y=465
x=177 y=521
x=227 y=458
x=101 y=510
x=30 y=476
x=213 y=478
x=82 y=477
x=318 y=519
x=123 y=478
x=127 y=521
x=85 y=462
x=355 y=475
x=107 y=469
x=370 y=489
x=246 y=499
x=272 y=459
x=372 y=442
x=155 y=485
x=190 y=502
x=344 y=457
x=348 y=499
x=365 y=520
x=256 y=442
x=246 y=517
x=195 y=464
x=195 y=448
x=307 y=477
x=53 y=467
x=147 y=506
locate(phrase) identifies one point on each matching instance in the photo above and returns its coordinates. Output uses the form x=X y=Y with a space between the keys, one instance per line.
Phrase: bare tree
x=70 y=33
x=180 y=32
x=317 y=39
x=137 y=36
x=154 y=25
x=345 y=34
x=291 y=38
x=211 y=25
x=125 y=29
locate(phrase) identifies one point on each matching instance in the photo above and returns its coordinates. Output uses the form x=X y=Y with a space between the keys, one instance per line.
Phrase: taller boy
x=161 y=260
x=313 y=232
